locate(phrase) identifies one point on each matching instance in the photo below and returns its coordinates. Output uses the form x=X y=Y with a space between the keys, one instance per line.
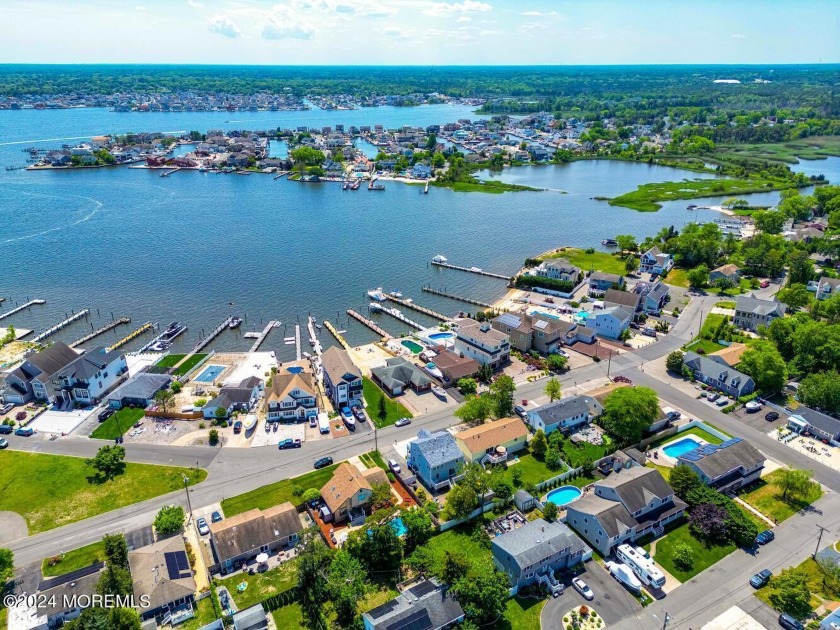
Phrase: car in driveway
x=761 y=578
x=771 y=416
x=394 y=466
x=402 y=422
x=765 y=537
x=359 y=413
x=6 y=429
x=289 y=443
x=203 y=527
x=722 y=401
x=581 y=587
x=789 y=623
x=6 y=408
x=105 y=414
x=712 y=397
x=752 y=406
x=3 y=443
x=25 y=431
x=323 y=462
x=520 y=411
x=215 y=517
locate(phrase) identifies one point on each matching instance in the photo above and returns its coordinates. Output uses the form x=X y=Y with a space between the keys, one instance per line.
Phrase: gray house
x=531 y=554
x=242 y=397
x=435 y=458
x=426 y=604
x=721 y=377
x=342 y=379
x=819 y=424
x=727 y=466
x=398 y=374
x=139 y=390
x=752 y=312
x=564 y=414
x=29 y=380
x=600 y=282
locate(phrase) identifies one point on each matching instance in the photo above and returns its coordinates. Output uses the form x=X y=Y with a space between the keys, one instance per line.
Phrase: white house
x=87 y=378
x=558 y=269
x=482 y=342
x=610 y=322
x=291 y=398
x=654 y=261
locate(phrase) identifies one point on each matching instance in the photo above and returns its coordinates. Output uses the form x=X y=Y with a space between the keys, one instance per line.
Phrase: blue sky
x=436 y=32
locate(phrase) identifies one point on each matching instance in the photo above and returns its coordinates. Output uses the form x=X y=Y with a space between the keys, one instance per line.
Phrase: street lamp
x=186 y=489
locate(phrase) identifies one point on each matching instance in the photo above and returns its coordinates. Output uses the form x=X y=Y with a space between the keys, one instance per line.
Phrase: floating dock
x=109 y=326
x=475 y=270
x=313 y=336
x=263 y=335
x=370 y=324
x=399 y=316
x=420 y=309
x=51 y=331
x=338 y=336
x=452 y=296
x=133 y=335
x=297 y=342
x=18 y=309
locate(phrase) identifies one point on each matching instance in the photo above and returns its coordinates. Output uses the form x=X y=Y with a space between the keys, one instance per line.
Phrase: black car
x=6 y=429
x=237 y=426
x=761 y=578
x=359 y=413
x=323 y=462
x=765 y=537
x=104 y=415
x=788 y=622
x=773 y=415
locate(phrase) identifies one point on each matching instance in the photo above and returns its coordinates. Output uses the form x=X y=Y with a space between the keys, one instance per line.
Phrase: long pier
x=452 y=296
x=420 y=309
x=51 y=331
x=109 y=326
x=399 y=316
x=18 y=309
x=132 y=335
x=475 y=270
x=202 y=343
x=370 y=324
x=313 y=336
x=263 y=335
x=338 y=336
x=297 y=342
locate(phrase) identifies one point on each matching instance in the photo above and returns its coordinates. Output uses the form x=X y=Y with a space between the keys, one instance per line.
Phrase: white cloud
x=738 y=36
x=223 y=25
x=440 y=9
x=282 y=22
x=195 y=4
x=392 y=31
x=464 y=19
x=139 y=8
x=531 y=13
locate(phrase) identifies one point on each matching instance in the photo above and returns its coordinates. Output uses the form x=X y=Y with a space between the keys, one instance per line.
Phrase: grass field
x=814 y=148
x=646 y=197
x=533 y=470
x=576 y=454
x=75 y=559
x=766 y=497
x=704 y=556
x=486 y=186
x=117 y=425
x=710 y=324
x=289 y=617
x=373 y=459
x=372 y=393
x=677 y=278
x=171 y=359
x=54 y=490
x=599 y=261
x=204 y=614
x=275 y=493
x=821 y=589
x=521 y=614
x=262 y=585
x=461 y=539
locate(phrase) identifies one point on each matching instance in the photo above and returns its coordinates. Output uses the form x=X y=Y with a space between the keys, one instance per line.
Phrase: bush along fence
x=283 y=598
x=552 y=483
x=671 y=431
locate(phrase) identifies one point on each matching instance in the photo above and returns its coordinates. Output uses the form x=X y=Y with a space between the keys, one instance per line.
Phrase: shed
x=524 y=501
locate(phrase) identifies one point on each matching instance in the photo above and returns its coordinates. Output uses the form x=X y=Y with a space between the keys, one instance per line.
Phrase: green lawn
x=576 y=454
x=744 y=286
x=766 y=497
x=725 y=304
x=821 y=589
x=704 y=556
x=665 y=471
x=262 y=585
x=373 y=459
x=289 y=617
x=813 y=148
x=372 y=394
x=581 y=481
x=75 y=559
x=171 y=359
x=521 y=614
x=276 y=493
x=677 y=277
x=710 y=325
x=646 y=197
x=117 y=425
x=599 y=261
x=53 y=490
x=460 y=539
x=533 y=470
x=705 y=345
x=204 y=614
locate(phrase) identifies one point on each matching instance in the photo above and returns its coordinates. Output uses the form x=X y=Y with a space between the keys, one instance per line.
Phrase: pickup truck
x=289 y=443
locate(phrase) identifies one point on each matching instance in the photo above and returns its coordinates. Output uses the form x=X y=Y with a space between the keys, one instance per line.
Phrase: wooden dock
x=202 y=343
x=420 y=309
x=18 y=309
x=475 y=270
x=400 y=317
x=297 y=342
x=452 y=296
x=372 y=325
x=133 y=335
x=51 y=331
x=95 y=333
x=263 y=335
x=313 y=336
x=338 y=336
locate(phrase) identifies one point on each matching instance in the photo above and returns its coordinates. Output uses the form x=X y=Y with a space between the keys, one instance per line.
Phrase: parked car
x=203 y=527
x=722 y=401
x=761 y=578
x=772 y=415
x=789 y=623
x=402 y=422
x=323 y=462
x=520 y=411
x=289 y=443
x=712 y=397
x=752 y=406
x=104 y=415
x=25 y=431
x=581 y=587
x=215 y=517
x=313 y=422
x=6 y=429
x=765 y=537
x=237 y=426
x=359 y=413
x=3 y=443
x=764 y=284
x=394 y=466
x=6 y=408
x=671 y=416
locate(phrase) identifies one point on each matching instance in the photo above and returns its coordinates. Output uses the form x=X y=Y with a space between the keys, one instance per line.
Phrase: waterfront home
x=342 y=379
x=421 y=171
x=453 y=366
x=291 y=398
x=653 y=296
x=752 y=312
x=242 y=537
x=480 y=341
x=398 y=374
x=626 y=506
x=533 y=332
x=138 y=391
x=718 y=375
x=238 y=160
x=64 y=597
x=348 y=493
x=632 y=301
x=826 y=287
x=493 y=442
x=29 y=380
x=656 y=262
x=161 y=574
x=435 y=458
x=58 y=158
x=730 y=355
x=727 y=466
x=532 y=553
x=816 y=423
x=426 y=604
x=558 y=269
x=729 y=272
x=564 y=414
x=87 y=377
x=600 y=282
x=610 y=322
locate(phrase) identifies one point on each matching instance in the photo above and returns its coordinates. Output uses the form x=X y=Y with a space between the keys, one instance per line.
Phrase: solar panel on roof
x=418 y=620
x=540 y=324
x=730 y=442
x=177 y=565
x=424 y=588
x=382 y=610
x=508 y=319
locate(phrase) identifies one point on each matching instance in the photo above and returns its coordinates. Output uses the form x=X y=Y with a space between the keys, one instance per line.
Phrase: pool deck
x=216 y=371
x=667 y=460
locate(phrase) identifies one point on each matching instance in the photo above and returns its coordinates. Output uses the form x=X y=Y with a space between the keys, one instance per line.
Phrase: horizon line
x=475 y=65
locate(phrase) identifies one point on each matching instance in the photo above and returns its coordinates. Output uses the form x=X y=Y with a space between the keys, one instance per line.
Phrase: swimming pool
x=564 y=495
x=295 y=369
x=441 y=335
x=680 y=447
x=416 y=348
x=581 y=317
x=399 y=527
x=209 y=374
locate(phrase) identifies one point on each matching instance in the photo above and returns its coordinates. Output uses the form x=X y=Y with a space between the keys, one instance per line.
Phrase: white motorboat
x=439 y=392
x=625 y=575
x=377 y=294
x=250 y=422
x=376 y=307
x=434 y=370
x=396 y=293
x=440 y=259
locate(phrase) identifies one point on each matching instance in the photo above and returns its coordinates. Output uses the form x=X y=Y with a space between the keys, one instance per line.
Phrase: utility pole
x=375 y=437
x=187 y=490
x=819 y=540
x=666 y=620
x=609 y=362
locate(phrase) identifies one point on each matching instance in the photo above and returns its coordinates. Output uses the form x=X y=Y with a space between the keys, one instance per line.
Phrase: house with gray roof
x=630 y=503
x=752 y=312
x=558 y=269
x=727 y=466
x=482 y=342
x=253 y=618
x=628 y=299
x=826 y=287
x=88 y=377
x=653 y=296
x=815 y=422
x=139 y=390
x=656 y=262
x=342 y=378
x=399 y=373
x=29 y=380
x=600 y=283
x=533 y=332
x=435 y=458
x=721 y=377
x=240 y=397
x=161 y=575
x=610 y=322
x=427 y=604
x=531 y=554
x=564 y=414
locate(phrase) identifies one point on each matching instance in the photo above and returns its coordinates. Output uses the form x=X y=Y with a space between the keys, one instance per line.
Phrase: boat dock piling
x=18 y=309
x=420 y=309
x=338 y=336
x=132 y=336
x=399 y=316
x=263 y=335
x=281 y=174
x=480 y=272
x=95 y=333
x=451 y=296
x=370 y=324
x=51 y=331
x=297 y=342
x=168 y=173
x=313 y=337
x=202 y=343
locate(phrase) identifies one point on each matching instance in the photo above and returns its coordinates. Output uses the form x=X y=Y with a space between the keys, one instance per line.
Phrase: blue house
x=435 y=458
x=421 y=171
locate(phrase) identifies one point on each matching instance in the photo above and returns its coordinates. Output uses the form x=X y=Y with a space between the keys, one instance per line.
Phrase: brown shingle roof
x=252 y=529
x=485 y=436
x=282 y=384
x=731 y=355
x=345 y=483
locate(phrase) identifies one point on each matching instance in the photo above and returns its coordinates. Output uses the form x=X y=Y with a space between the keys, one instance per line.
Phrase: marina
x=409 y=303
x=95 y=333
x=22 y=307
x=452 y=296
x=440 y=261
x=383 y=334
x=63 y=324
x=261 y=336
x=165 y=339
x=338 y=336
x=132 y=336
x=378 y=308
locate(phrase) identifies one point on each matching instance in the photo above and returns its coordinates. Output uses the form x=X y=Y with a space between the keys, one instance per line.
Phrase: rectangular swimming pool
x=209 y=374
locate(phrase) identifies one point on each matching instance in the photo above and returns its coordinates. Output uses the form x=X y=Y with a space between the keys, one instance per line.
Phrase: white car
x=394 y=466
x=581 y=587
x=752 y=406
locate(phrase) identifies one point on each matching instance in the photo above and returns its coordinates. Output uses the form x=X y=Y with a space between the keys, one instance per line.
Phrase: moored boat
x=609 y=242
x=440 y=259
x=377 y=294
x=439 y=392
x=235 y=322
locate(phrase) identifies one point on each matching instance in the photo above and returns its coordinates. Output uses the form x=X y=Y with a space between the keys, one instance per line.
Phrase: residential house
x=533 y=332
x=348 y=493
x=87 y=377
x=632 y=301
x=816 y=423
x=428 y=604
x=241 y=397
x=730 y=355
x=161 y=574
x=64 y=597
x=610 y=322
x=718 y=375
x=653 y=296
x=752 y=312
x=532 y=553
x=453 y=366
x=624 y=507
x=399 y=373
x=558 y=269
x=655 y=262
x=493 y=442
x=291 y=398
x=253 y=618
x=138 y=391
x=435 y=458
x=730 y=272
x=600 y=282
x=831 y=621
x=480 y=341
x=826 y=287
x=725 y=467
x=421 y=171
x=564 y=414
x=30 y=379
x=342 y=379
x=242 y=537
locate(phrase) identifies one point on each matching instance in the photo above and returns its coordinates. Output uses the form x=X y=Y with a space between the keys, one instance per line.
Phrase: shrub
x=169 y=519
x=683 y=557
x=297 y=490
x=213 y=437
